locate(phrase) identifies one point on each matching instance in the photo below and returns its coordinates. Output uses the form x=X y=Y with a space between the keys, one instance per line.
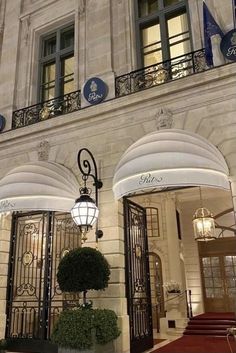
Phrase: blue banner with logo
x=211 y=28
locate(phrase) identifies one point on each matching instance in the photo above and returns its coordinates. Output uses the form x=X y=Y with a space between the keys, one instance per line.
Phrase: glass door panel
x=219 y=282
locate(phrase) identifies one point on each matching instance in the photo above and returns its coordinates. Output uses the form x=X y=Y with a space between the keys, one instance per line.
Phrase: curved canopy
x=169 y=158
x=38 y=186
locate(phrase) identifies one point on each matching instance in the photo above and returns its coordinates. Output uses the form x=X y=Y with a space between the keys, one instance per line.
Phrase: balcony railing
x=163 y=72
x=134 y=81
x=46 y=110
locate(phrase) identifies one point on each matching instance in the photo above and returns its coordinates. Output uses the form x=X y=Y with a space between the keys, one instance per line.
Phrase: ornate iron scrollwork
x=45 y=110
x=160 y=73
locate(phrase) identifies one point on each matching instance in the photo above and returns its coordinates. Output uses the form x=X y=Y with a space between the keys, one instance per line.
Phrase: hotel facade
x=129 y=81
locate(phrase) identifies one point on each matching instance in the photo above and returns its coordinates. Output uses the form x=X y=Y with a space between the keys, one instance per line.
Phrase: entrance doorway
x=157 y=295
x=38 y=241
x=218 y=270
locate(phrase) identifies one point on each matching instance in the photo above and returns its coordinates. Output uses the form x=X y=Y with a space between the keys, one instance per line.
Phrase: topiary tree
x=83 y=269
x=79 y=328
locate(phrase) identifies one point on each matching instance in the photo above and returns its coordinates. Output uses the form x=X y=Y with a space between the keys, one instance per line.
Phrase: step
x=212 y=322
x=212 y=319
x=207 y=327
x=206 y=332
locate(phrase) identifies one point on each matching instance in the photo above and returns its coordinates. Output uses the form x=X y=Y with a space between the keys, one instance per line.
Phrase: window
x=162 y=29
x=57 y=64
x=152 y=222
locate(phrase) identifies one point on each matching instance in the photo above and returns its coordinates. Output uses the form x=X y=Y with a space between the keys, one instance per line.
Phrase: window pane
x=228 y=260
x=178 y=35
x=48 y=85
x=171 y=2
x=67 y=38
x=215 y=261
x=216 y=272
x=147 y=7
x=231 y=282
x=49 y=73
x=209 y=292
x=48 y=93
x=67 y=75
x=152 y=222
x=207 y=272
x=49 y=46
x=229 y=271
x=151 y=39
x=206 y=261
x=218 y=292
x=217 y=282
x=208 y=282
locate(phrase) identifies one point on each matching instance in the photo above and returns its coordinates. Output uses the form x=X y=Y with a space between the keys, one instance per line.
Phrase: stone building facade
x=101 y=39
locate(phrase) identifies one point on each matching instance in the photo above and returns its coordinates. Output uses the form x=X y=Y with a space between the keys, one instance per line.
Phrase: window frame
x=57 y=58
x=161 y=16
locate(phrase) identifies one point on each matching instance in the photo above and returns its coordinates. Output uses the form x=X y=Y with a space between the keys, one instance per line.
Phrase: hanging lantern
x=203 y=225
x=84 y=212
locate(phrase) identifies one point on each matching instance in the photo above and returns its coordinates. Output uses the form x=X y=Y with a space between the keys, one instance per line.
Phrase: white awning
x=38 y=186
x=169 y=158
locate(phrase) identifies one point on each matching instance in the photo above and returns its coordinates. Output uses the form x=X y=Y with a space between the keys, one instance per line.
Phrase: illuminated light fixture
x=203 y=223
x=85 y=211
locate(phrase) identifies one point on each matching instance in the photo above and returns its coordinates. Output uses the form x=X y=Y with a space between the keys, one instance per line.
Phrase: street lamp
x=85 y=211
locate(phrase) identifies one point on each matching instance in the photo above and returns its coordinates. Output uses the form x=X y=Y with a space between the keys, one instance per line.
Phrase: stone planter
x=173 y=301
x=97 y=348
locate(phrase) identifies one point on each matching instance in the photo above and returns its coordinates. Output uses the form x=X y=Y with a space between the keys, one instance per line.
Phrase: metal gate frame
x=138 y=290
x=34 y=299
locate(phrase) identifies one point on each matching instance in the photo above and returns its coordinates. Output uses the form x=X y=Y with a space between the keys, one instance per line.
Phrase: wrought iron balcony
x=46 y=110
x=163 y=72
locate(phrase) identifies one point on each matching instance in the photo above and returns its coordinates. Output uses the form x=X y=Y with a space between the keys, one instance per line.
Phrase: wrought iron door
x=34 y=299
x=138 y=278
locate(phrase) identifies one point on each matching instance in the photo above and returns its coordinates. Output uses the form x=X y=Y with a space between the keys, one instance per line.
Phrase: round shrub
x=83 y=269
x=73 y=329
x=105 y=323
x=82 y=328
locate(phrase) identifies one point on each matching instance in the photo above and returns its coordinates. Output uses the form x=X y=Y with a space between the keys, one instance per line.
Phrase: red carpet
x=211 y=315
x=210 y=324
x=198 y=344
